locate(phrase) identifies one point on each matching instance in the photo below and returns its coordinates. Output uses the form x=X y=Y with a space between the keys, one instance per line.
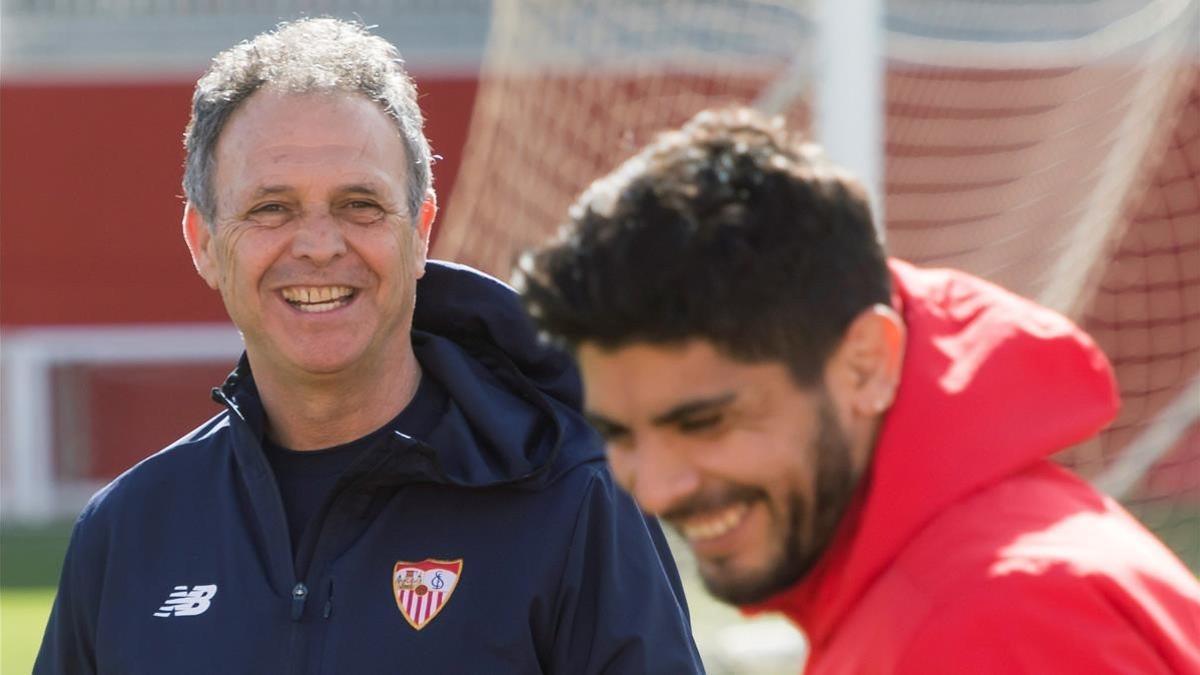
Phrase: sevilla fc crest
x=423 y=588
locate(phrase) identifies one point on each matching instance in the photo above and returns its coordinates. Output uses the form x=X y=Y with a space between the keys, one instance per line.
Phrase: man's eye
x=611 y=433
x=272 y=214
x=362 y=211
x=695 y=424
x=272 y=211
x=620 y=442
x=606 y=433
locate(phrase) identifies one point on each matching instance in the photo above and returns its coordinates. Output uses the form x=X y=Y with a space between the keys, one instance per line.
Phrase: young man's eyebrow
x=672 y=416
x=602 y=424
x=694 y=407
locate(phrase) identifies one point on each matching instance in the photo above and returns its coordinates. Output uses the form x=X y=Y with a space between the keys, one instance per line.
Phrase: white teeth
x=317 y=298
x=713 y=525
x=319 y=307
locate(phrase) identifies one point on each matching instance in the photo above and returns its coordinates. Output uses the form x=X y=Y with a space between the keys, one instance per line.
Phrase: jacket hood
x=515 y=401
x=513 y=414
x=991 y=383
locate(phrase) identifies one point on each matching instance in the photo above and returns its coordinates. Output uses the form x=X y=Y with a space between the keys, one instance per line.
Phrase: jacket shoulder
x=616 y=552
x=585 y=489
x=1041 y=521
x=183 y=460
x=1028 y=576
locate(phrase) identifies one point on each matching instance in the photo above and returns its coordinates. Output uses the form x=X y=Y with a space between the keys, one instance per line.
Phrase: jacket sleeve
x=1026 y=624
x=620 y=607
x=68 y=646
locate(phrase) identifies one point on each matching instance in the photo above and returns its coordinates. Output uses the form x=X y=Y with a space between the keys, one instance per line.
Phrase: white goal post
x=29 y=489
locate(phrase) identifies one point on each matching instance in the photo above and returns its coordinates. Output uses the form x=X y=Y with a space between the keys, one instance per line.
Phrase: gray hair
x=307 y=55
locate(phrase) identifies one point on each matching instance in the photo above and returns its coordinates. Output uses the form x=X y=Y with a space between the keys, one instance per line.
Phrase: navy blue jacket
x=184 y=565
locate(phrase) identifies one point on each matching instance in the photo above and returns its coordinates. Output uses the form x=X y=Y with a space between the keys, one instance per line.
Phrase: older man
x=856 y=443
x=401 y=480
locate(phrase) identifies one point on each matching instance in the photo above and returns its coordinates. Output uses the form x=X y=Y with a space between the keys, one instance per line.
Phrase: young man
x=852 y=441
x=401 y=480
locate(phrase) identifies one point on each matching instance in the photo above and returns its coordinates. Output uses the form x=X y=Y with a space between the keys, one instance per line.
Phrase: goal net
x=1050 y=146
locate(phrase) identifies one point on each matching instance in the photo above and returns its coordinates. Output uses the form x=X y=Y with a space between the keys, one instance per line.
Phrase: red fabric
x=968 y=551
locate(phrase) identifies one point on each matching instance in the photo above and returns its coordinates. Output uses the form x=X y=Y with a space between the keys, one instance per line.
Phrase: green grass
x=23 y=613
x=32 y=556
x=30 y=560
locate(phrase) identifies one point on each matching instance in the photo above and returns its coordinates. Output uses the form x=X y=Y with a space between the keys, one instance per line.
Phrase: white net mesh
x=1051 y=146
x=1145 y=313
x=569 y=89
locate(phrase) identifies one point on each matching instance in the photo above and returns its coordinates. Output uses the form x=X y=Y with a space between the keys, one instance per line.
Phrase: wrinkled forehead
x=273 y=116
x=277 y=138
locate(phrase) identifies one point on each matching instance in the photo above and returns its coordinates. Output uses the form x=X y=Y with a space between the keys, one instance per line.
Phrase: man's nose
x=319 y=238
x=660 y=477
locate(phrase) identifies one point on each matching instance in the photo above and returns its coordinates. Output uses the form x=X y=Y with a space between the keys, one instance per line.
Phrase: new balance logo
x=188 y=603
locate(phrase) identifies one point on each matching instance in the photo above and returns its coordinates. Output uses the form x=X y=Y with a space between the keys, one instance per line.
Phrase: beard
x=835 y=485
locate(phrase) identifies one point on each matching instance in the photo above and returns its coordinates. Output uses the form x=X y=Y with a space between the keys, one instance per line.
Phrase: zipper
x=299 y=597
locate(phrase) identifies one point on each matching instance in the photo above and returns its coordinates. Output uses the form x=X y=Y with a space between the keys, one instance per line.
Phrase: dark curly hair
x=727 y=230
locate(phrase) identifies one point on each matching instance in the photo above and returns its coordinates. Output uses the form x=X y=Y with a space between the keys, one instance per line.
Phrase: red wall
x=90 y=200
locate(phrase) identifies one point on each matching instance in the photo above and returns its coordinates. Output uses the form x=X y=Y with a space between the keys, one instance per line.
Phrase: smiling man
x=855 y=442
x=401 y=479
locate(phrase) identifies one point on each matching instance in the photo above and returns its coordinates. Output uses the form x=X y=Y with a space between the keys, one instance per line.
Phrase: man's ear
x=425 y=217
x=864 y=370
x=199 y=242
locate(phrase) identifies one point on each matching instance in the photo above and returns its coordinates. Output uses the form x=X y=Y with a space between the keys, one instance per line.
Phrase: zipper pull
x=299 y=595
x=328 y=602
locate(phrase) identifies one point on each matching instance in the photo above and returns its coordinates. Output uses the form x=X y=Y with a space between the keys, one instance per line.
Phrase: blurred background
x=1052 y=146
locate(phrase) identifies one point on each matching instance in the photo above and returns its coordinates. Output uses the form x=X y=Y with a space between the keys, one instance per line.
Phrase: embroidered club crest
x=423 y=588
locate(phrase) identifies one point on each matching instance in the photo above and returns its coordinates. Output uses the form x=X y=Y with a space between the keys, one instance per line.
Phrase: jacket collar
x=513 y=416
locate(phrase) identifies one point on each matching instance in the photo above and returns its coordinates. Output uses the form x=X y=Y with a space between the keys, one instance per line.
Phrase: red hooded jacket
x=968 y=552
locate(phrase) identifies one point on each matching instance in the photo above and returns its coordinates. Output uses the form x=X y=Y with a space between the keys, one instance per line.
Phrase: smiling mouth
x=712 y=524
x=315 y=299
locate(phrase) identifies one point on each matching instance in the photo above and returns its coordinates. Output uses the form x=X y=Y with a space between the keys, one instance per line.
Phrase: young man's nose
x=660 y=477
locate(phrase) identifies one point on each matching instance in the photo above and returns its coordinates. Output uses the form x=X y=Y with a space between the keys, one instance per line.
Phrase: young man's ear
x=199 y=242
x=864 y=370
